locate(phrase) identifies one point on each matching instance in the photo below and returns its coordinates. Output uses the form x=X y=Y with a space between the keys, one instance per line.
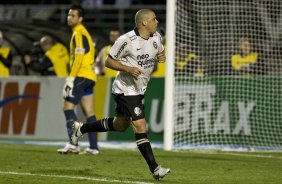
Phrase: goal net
x=227 y=75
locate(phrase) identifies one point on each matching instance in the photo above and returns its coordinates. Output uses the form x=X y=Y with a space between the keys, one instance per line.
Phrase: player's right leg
x=71 y=100
x=70 y=118
x=118 y=123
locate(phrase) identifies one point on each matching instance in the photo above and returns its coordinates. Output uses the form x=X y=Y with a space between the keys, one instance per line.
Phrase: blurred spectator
x=160 y=66
x=243 y=62
x=188 y=63
x=54 y=61
x=5 y=58
x=100 y=68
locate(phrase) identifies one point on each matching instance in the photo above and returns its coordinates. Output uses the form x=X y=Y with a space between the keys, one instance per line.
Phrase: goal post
x=223 y=84
x=169 y=79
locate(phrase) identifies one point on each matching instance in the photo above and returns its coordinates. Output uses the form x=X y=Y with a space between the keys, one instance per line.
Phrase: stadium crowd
x=243 y=55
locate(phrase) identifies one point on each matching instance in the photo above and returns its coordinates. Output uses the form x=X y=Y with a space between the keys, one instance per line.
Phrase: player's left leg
x=143 y=144
x=135 y=107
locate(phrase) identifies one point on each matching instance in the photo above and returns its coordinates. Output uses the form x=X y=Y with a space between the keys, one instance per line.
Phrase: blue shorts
x=81 y=87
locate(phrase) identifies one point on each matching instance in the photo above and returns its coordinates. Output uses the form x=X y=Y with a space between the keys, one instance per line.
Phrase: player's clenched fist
x=160 y=57
x=67 y=91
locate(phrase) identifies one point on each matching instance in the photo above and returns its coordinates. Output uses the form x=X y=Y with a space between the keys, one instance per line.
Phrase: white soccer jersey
x=132 y=50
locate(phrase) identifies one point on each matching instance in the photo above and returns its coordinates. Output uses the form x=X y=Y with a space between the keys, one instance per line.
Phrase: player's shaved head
x=142 y=15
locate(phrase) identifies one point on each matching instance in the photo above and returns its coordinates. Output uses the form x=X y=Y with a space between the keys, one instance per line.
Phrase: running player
x=134 y=55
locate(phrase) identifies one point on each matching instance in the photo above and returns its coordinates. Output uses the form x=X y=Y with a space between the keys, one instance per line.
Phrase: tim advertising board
x=31 y=107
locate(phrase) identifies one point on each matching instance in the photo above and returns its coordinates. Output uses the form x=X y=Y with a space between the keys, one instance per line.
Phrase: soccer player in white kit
x=134 y=55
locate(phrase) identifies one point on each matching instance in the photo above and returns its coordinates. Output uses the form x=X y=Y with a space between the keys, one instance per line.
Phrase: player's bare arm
x=115 y=65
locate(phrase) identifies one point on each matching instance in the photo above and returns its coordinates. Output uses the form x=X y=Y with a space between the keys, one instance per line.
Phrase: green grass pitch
x=43 y=165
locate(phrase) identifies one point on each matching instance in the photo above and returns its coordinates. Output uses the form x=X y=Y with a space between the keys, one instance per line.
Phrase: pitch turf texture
x=42 y=164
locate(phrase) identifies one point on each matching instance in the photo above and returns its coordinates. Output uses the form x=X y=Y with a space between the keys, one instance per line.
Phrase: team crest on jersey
x=137 y=111
x=155 y=45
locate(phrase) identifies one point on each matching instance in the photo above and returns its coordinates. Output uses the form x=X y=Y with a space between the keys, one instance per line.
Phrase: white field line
x=74 y=177
x=252 y=155
x=240 y=154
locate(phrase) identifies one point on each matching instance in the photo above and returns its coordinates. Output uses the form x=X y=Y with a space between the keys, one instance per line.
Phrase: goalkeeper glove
x=67 y=91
